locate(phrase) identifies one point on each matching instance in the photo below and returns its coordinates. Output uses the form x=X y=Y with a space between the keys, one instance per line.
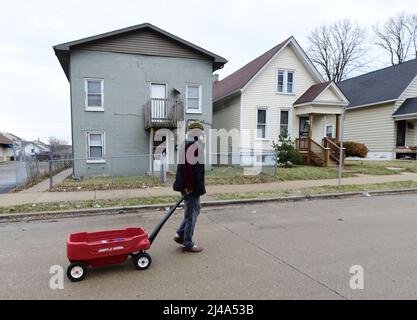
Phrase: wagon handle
x=165 y=219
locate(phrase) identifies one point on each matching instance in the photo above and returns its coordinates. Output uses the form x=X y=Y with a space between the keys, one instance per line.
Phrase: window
x=284 y=121
x=94 y=94
x=285 y=81
x=281 y=81
x=194 y=99
x=95 y=141
x=290 y=82
x=261 y=123
x=329 y=131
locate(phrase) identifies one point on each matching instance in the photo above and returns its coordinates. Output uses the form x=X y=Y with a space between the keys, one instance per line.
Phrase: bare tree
x=57 y=144
x=398 y=37
x=338 y=49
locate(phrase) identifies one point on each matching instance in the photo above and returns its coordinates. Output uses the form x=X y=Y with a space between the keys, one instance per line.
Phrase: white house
x=35 y=147
x=279 y=89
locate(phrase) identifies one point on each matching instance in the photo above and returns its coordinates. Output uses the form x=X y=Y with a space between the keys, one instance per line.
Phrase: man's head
x=196 y=131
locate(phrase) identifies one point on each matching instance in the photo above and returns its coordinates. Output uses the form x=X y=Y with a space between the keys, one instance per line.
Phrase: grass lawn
x=319 y=190
x=224 y=175
x=380 y=167
x=107 y=183
x=61 y=206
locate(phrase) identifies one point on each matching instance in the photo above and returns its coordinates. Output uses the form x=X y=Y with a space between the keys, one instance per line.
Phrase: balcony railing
x=163 y=113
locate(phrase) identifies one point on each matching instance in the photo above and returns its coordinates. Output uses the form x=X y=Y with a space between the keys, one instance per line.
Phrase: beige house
x=280 y=89
x=383 y=111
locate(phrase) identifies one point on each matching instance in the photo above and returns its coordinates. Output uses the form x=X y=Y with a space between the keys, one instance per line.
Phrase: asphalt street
x=294 y=250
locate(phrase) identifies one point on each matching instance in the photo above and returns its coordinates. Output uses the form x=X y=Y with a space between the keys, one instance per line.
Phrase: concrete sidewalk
x=39 y=197
x=44 y=185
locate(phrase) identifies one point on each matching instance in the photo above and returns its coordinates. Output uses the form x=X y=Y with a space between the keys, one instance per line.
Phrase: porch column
x=337 y=127
x=310 y=136
x=151 y=151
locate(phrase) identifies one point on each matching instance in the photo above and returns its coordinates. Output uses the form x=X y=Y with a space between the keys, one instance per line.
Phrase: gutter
x=371 y=104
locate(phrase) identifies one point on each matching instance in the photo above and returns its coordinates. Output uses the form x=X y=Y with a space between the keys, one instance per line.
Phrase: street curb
x=16 y=217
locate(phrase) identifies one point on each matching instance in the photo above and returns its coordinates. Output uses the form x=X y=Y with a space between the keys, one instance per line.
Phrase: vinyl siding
x=373 y=126
x=226 y=115
x=410 y=92
x=328 y=95
x=262 y=92
x=143 y=42
x=127 y=79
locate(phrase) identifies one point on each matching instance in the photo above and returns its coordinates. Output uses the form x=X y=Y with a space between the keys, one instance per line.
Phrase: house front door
x=158 y=96
x=303 y=131
x=401 y=131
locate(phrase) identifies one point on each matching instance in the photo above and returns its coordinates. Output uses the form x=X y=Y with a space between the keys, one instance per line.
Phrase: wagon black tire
x=142 y=261
x=76 y=271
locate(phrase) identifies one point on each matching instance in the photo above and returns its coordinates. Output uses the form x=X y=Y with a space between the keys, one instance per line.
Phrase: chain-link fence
x=112 y=170
x=32 y=167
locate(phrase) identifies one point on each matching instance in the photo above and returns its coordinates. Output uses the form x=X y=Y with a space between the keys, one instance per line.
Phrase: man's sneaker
x=179 y=240
x=194 y=249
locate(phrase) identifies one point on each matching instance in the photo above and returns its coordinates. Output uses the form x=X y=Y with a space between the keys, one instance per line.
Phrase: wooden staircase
x=326 y=155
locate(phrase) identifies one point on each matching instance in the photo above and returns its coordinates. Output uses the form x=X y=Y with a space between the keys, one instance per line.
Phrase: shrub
x=355 y=149
x=284 y=152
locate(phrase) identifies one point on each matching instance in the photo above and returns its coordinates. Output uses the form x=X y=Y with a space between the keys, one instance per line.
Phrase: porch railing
x=163 y=113
x=313 y=152
x=334 y=149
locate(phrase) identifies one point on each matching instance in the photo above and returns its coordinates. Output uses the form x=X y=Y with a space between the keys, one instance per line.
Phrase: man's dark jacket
x=190 y=176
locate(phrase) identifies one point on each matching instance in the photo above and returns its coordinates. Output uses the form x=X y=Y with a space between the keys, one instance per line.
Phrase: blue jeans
x=192 y=209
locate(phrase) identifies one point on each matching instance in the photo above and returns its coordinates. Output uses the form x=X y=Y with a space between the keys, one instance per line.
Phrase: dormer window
x=285 y=81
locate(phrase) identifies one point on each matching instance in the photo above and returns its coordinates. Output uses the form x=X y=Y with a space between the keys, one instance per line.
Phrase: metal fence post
x=51 y=178
x=111 y=170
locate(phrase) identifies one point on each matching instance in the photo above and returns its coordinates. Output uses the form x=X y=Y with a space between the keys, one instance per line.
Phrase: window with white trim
x=94 y=94
x=285 y=81
x=329 y=131
x=261 y=123
x=95 y=146
x=194 y=98
x=284 y=121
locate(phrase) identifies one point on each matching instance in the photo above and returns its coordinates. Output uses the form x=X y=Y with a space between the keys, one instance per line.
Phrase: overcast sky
x=34 y=92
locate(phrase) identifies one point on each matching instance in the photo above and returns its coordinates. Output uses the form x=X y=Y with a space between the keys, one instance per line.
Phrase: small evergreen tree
x=285 y=154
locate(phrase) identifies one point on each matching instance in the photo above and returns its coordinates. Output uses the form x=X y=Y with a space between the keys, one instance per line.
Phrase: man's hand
x=188 y=190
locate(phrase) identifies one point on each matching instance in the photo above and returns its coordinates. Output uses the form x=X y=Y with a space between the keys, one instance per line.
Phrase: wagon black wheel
x=142 y=261
x=134 y=254
x=76 y=271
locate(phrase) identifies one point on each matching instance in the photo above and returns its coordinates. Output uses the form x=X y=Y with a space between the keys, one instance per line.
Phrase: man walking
x=190 y=182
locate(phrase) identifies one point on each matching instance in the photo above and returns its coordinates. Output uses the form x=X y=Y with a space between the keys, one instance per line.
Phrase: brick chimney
x=215 y=77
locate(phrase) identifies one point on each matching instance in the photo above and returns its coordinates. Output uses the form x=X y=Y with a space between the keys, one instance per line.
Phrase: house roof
x=62 y=50
x=408 y=107
x=5 y=140
x=237 y=80
x=378 y=86
x=312 y=93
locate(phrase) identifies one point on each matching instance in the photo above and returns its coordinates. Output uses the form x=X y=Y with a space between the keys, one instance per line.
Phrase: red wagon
x=103 y=248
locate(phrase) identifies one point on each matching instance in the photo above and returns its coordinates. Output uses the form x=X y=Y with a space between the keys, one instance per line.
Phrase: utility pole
x=342 y=129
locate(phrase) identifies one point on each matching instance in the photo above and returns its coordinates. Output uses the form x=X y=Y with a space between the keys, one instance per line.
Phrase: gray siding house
x=127 y=84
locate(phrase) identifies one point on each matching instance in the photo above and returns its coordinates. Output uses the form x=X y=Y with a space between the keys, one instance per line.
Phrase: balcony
x=163 y=113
